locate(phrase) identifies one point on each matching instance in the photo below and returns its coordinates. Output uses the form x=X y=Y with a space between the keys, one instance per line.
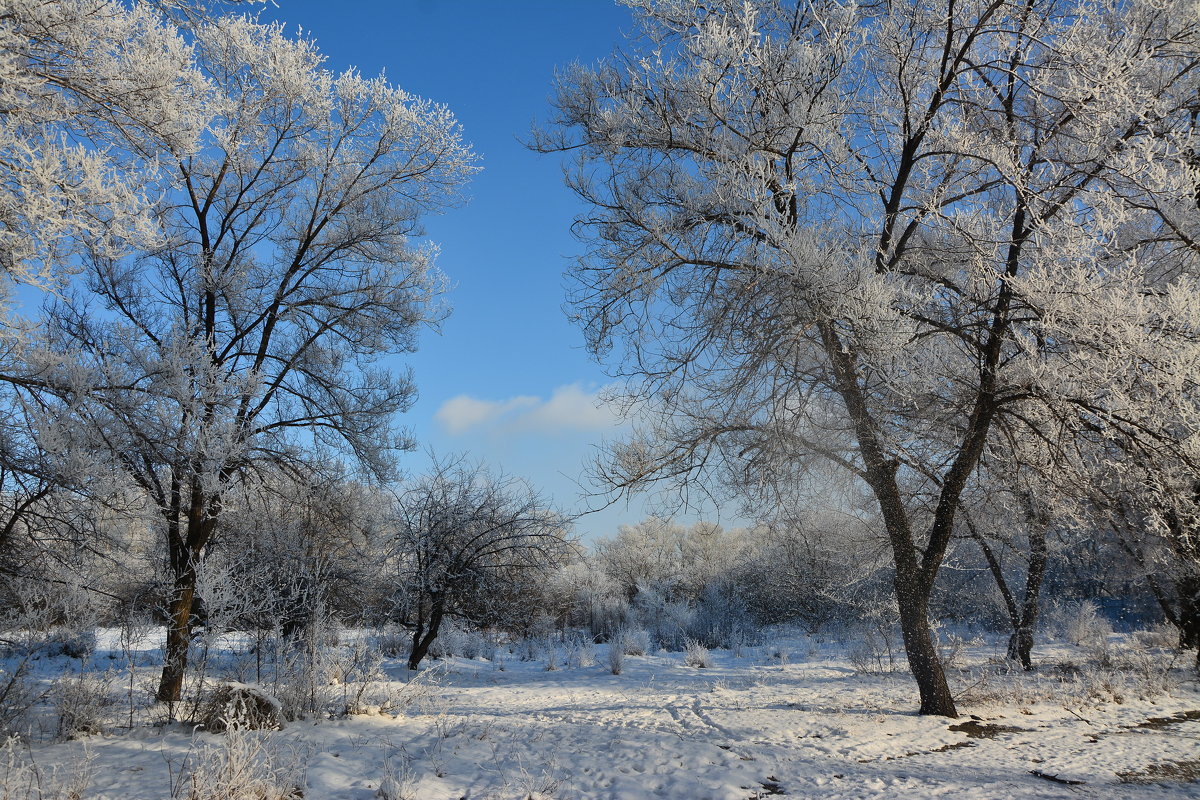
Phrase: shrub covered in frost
x=696 y=655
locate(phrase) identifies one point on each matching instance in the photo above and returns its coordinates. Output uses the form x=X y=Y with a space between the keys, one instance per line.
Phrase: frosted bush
x=358 y=670
x=303 y=675
x=422 y=693
x=18 y=694
x=580 y=652
x=633 y=642
x=721 y=618
x=397 y=780
x=249 y=706
x=665 y=623
x=779 y=654
x=606 y=615
x=393 y=642
x=529 y=649
x=453 y=640
x=873 y=653
x=616 y=656
x=1077 y=621
x=80 y=702
x=246 y=765
x=696 y=655
x=62 y=640
x=738 y=641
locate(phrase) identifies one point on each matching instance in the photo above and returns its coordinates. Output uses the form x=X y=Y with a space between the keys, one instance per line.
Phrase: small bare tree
x=467 y=542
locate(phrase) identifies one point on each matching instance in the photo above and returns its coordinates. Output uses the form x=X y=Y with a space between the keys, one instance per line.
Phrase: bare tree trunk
x=916 y=568
x=185 y=544
x=179 y=616
x=424 y=635
x=1020 y=644
x=913 y=601
x=1188 y=589
x=1023 y=620
x=179 y=606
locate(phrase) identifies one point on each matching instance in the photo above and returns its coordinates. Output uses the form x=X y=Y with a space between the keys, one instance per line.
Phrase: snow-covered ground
x=748 y=726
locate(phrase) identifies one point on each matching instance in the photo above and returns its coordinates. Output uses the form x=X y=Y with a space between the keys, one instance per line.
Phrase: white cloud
x=462 y=413
x=569 y=407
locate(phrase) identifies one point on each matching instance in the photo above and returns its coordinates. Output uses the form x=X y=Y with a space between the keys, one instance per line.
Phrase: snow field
x=745 y=727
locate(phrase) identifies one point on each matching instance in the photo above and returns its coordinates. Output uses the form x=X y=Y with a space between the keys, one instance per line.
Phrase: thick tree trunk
x=179 y=606
x=1188 y=588
x=423 y=636
x=923 y=661
x=179 y=636
x=1184 y=540
x=185 y=542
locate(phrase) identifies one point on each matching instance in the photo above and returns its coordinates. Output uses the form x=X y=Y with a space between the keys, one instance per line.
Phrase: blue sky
x=508 y=379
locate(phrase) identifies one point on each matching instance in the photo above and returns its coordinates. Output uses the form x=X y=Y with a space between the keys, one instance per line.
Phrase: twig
x=1077 y=716
x=1055 y=778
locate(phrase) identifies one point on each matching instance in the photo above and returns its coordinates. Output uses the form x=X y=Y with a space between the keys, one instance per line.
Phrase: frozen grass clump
x=246 y=765
x=696 y=654
x=1122 y=672
x=1163 y=635
x=80 y=703
x=616 y=655
x=1078 y=622
x=22 y=779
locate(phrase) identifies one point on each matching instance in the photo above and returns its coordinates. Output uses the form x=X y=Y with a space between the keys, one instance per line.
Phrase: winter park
x=594 y=400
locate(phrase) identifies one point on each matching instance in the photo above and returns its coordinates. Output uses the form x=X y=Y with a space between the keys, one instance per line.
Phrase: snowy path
x=739 y=730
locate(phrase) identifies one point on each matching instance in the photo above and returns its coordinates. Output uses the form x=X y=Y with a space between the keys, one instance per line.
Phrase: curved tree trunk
x=424 y=635
x=923 y=659
x=916 y=568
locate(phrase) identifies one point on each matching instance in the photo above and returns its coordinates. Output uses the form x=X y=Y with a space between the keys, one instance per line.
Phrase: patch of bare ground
x=1185 y=771
x=1158 y=723
x=977 y=729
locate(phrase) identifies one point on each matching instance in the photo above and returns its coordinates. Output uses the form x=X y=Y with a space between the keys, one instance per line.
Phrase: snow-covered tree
x=868 y=234
x=283 y=271
x=672 y=560
x=304 y=543
x=467 y=541
x=1150 y=507
x=646 y=555
x=1012 y=526
x=91 y=92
